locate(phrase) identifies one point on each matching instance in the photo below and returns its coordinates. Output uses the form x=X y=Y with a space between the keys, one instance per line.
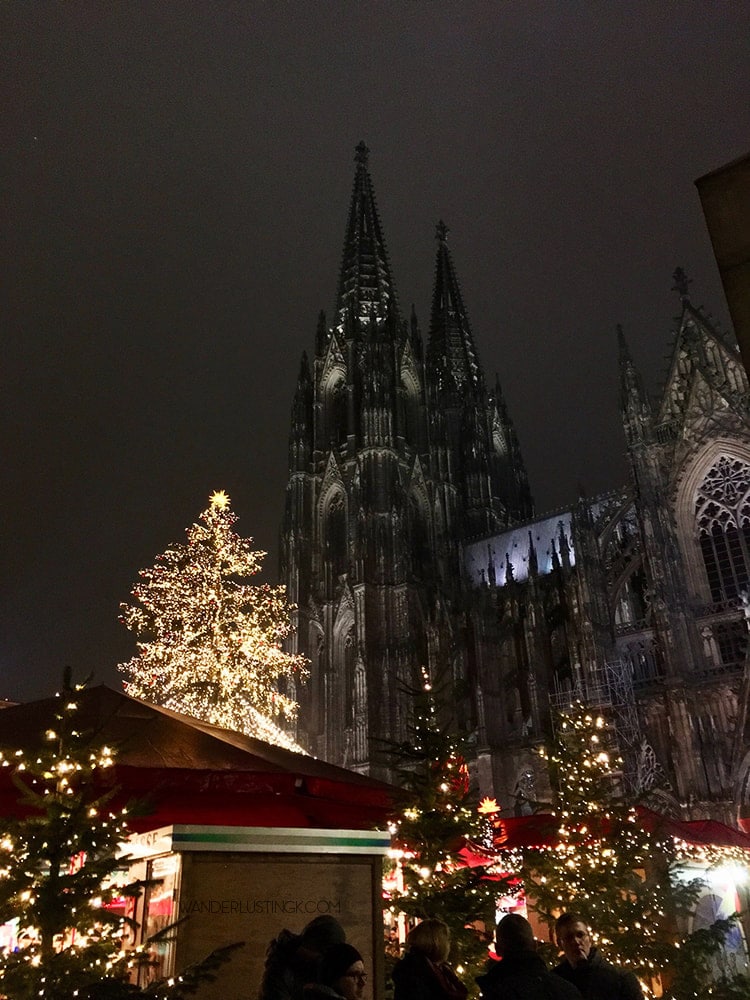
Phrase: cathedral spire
x=629 y=374
x=634 y=404
x=366 y=286
x=518 y=494
x=302 y=404
x=451 y=345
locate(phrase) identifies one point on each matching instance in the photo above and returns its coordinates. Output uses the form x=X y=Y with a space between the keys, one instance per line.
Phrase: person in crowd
x=292 y=960
x=424 y=973
x=586 y=969
x=392 y=944
x=521 y=974
x=341 y=975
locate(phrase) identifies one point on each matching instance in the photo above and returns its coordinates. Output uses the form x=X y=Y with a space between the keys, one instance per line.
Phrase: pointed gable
x=417 y=484
x=503 y=432
x=345 y=606
x=410 y=366
x=332 y=477
x=333 y=362
x=702 y=366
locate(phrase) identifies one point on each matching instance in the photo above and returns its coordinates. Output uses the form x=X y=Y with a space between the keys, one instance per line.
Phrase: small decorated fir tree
x=609 y=868
x=210 y=641
x=436 y=823
x=59 y=862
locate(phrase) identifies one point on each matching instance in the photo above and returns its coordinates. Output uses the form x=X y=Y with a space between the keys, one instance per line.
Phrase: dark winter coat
x=415 y=977
x=524 y=976
x=599 y=980
x=288 y=968
x=317 y=991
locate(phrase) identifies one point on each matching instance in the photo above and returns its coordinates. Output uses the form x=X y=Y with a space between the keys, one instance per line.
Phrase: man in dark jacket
x=585 y=967
x=521 y=974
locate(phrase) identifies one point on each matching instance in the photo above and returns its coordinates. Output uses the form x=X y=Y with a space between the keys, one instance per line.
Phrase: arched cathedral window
x=350 y=651
x=336 y=416
x=632 y=599
x=336 y=536
x=722 y=512
x=420 y=540
x=409 y=412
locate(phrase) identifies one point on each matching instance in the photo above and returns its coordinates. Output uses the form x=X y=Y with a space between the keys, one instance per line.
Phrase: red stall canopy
x=187 y=771
x=540 y=830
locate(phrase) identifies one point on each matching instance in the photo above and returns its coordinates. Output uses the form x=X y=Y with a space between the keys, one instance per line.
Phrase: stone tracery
x=722 y=512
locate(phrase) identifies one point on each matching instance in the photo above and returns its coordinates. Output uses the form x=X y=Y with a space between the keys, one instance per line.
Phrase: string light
x=58 y=879
x=436 y=824
x=209 y=642
x=64 y=881
x=634 y=887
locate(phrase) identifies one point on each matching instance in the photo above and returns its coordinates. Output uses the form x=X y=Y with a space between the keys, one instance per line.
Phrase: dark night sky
x=174 y=183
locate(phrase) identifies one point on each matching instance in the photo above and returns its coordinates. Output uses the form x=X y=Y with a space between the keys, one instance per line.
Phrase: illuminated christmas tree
x=435 y=825
x=62 y=883
x=209 y=641
x=629 y=883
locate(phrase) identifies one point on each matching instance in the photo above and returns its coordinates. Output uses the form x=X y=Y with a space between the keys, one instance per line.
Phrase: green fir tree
x=438 y=820
x=625 y=879
x=59 y=867
x=210 y=642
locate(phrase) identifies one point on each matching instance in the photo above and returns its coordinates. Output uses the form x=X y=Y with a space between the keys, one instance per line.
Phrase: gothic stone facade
x=409 y=539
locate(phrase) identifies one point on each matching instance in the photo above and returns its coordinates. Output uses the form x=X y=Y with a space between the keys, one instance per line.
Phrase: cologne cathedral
x=410 y=540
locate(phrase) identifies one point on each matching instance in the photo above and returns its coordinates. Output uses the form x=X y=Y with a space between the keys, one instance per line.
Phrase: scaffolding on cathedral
x=608 y=688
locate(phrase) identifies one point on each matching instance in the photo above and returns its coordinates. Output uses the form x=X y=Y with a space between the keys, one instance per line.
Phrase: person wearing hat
x=341 y=975
x=292 y=960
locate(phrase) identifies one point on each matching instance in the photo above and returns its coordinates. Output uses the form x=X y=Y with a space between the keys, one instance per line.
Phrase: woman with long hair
x=424 y=973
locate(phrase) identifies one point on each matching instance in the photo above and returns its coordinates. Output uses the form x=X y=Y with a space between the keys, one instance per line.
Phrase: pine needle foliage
x=627 y=882
x=59 y=862
x=209 y=640
x=438 y=818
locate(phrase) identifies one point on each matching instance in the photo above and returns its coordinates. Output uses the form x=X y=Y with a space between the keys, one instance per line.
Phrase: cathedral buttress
x=666 y=596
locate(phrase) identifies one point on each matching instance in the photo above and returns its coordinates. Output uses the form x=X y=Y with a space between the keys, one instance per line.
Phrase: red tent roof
x=193 y=772
x=695 y=831
x=540 y=830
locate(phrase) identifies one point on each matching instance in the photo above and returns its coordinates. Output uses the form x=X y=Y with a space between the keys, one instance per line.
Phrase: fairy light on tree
x=61 y=875
x=627 y=882
x=437 y=819
x=55 y=864
x=210 y=642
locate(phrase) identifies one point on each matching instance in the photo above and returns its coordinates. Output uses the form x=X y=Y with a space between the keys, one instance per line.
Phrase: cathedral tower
x=394 y=460
x=409 y=539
